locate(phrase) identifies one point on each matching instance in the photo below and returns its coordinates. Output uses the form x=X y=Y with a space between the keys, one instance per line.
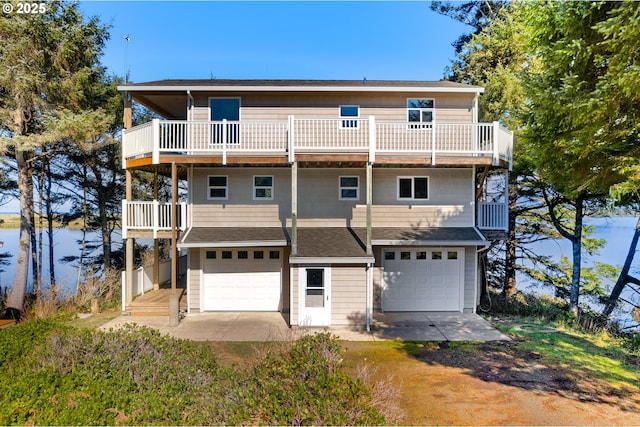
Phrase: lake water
x=66 y=243
x=616 y=231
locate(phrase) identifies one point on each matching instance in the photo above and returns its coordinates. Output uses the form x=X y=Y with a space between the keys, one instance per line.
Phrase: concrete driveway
x=253 y=326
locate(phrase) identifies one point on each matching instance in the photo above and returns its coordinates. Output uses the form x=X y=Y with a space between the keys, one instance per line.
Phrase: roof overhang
x=214 y=85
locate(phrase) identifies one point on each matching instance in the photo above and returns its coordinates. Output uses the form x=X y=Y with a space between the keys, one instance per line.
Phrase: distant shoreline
x=9 y=221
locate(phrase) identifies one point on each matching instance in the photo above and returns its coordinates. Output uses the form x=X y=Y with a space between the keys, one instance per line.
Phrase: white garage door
x=242 y=280
x=423 y=279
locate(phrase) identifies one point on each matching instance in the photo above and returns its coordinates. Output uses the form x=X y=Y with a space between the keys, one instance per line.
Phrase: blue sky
x=276 y=40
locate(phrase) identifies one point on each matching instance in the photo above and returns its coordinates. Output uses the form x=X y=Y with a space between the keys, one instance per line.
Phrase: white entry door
x=314 y=296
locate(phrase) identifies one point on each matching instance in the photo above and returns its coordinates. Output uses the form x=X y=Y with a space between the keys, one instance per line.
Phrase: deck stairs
x=156 y=303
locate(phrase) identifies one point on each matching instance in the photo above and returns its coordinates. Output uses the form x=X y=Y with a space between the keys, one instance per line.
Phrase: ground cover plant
x=60 y=375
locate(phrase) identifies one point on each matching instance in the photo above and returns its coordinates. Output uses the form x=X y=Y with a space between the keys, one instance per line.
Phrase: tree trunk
x=623 y=278
x=49 y=208
x=19 y=288
x=509 y=288
x=576 y=247
x=35 y=267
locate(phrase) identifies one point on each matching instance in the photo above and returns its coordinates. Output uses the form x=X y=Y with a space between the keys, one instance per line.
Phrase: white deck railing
x=493 y=216
x=305 y=135
x=151 y=216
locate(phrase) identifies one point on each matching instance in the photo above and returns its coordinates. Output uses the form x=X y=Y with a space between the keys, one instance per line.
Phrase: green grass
x=594 y=355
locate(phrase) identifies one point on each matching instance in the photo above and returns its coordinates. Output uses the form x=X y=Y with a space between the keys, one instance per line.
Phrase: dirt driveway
x=498 y=385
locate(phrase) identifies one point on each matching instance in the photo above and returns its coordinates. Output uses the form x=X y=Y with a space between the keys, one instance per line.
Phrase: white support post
x=224 y=141
x=124 y=220
x=156 y=218
x=372 y=139
x=496 y=148
x=294 y=208
x=290 y=139
x=123 y=284
x=155 y=141
x=369 y=200
x=433 y=143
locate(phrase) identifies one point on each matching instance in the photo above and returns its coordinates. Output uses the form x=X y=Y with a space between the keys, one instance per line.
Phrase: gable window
x=349 y=115
x=413 y=188
x=263 y=188
x=217 y=187
x=420 y=112
x=349 y=188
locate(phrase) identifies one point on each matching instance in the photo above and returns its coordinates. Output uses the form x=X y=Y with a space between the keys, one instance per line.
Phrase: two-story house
x=324 y=200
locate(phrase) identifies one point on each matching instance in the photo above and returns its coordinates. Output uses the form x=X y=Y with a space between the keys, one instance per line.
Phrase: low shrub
x=304 y=385
x=135 y=376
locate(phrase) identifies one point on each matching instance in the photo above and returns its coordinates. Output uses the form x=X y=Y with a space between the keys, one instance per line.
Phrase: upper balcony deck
x=318 y=140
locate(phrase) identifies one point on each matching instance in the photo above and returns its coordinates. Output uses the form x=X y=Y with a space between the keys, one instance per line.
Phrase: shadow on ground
x=510 y=363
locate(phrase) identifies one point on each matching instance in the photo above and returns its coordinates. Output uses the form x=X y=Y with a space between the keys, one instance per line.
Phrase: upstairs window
x=349 y=115
x=349 y=188
x=263 y=188
x=420 y=112
x=217 y=188
x=413 y=188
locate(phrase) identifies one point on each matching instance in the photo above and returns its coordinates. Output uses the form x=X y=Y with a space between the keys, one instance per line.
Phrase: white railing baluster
x=337 y=135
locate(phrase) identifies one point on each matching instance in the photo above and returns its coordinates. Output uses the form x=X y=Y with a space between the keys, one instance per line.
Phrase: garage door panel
x=242 y=284
x=425 y=280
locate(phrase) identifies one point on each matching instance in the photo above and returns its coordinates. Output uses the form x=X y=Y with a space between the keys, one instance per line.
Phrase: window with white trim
x=420 y=112
x=217 y=187
x=413 y=188
x=262 y=187
x=349 y=188
x=349 y=115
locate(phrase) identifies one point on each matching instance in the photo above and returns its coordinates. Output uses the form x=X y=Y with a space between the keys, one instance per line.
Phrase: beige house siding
x=240 y=210
x=295 y=275
x=470 y=270
x=195 y=274
x=348 y=295
x=318 y=197
x=450 y=201
x=450 y=107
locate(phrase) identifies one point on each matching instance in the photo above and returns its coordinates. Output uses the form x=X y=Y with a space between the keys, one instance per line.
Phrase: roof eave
x=363 y=88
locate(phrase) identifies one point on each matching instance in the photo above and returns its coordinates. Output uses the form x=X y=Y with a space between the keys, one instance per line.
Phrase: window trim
x=210 y=187
x=413 y=188
x=349 y=122
x=420 y=124
x=272 y=187
x=340 y=188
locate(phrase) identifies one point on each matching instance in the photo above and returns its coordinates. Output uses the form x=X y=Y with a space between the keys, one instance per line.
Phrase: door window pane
x=314 y=292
